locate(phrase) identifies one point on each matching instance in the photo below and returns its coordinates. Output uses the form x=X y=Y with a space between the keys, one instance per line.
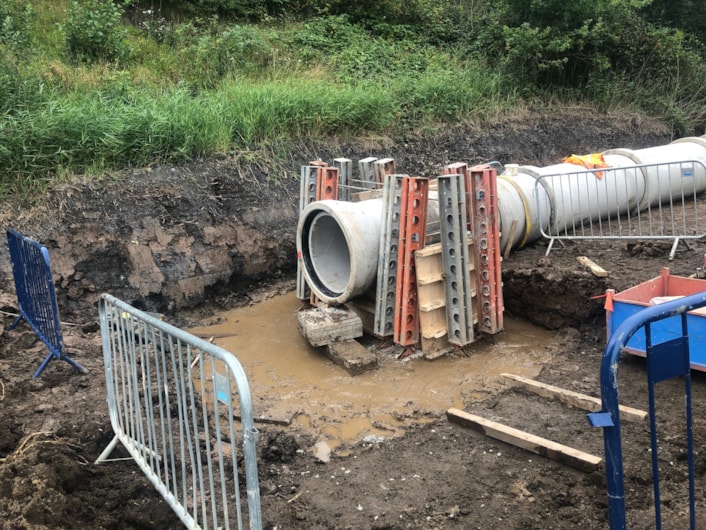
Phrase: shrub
x=15 y=24
x=94 y=32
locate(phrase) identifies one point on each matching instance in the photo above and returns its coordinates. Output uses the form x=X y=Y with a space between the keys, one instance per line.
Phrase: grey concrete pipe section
x=624 y=188
x=339 y=243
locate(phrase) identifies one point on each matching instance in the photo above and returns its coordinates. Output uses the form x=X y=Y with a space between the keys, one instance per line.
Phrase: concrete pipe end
x=338 y=246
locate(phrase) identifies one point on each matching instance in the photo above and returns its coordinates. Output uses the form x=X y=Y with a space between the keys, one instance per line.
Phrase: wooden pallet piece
x=535 y=444
x=325 y=325
x=432 y=300
x=352 y=356
x=569 y=397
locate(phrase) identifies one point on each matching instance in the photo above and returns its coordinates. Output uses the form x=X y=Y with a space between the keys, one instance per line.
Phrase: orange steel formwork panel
x=487 y=248
x=413 y=223
x=327 y=183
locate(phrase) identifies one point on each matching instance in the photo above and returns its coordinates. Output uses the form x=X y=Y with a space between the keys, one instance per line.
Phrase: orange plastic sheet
x=592 y=161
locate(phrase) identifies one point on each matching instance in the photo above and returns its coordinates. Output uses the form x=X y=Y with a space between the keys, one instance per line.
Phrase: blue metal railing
x=36 y=297
x=665 y=360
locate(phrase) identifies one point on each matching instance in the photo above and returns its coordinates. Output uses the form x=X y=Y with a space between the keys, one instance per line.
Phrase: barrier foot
x=17 y=321
x=66 y=358
x=109 y=449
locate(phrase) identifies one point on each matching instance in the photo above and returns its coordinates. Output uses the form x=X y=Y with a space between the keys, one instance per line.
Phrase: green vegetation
x=93 y=85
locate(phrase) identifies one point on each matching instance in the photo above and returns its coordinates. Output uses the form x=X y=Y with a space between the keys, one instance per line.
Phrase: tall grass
x=106 y=129
x=197 y=87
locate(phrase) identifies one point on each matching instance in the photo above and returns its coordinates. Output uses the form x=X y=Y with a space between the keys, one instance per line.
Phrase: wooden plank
x=431 y=296
x=427 y=280
x=366 y=195
x=432 y=301
x=431 y=305
x=434 y=333
x=575 y=399
x=435 y=348
x=591 y=265
x=535 y=444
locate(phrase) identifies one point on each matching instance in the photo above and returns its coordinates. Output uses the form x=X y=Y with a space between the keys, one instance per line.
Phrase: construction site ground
x=194 y=240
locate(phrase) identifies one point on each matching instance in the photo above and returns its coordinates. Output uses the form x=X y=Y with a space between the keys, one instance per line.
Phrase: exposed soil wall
x=166 y=238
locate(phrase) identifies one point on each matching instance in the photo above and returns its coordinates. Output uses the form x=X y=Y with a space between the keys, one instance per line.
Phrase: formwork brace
x=487 y=248
x=413 y=222
x=366 y=169
x=382 y=168
x=386 y=290
x=345 y=174
x=461 y=168
x=456 y=259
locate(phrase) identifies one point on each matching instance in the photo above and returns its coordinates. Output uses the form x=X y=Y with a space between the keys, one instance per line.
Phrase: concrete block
x=326 y=325
x=349 y=354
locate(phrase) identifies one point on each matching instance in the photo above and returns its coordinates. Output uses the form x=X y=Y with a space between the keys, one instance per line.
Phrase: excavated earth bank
x=190 y=240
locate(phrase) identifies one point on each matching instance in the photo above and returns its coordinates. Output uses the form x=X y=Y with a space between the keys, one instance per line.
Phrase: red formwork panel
x=413 y=223
x=327 y=183
x=487 y=248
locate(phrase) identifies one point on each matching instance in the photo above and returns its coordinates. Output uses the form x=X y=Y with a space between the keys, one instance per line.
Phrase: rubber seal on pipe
x=525 y=204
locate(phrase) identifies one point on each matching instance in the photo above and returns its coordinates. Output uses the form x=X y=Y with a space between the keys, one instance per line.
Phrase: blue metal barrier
x=665 y=360
x=36 y=297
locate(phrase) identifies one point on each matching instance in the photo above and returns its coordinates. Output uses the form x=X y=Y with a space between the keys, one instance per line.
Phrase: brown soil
x=188 y=241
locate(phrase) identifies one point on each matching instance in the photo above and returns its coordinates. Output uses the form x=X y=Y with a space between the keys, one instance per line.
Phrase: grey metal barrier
x=173 y=401
x=639 y=202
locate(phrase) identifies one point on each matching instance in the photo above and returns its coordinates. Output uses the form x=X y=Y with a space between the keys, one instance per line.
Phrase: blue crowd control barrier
x=36 y=297
x=665 y=360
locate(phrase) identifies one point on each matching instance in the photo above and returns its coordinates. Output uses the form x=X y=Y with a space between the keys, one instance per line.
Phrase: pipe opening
x=329 y=256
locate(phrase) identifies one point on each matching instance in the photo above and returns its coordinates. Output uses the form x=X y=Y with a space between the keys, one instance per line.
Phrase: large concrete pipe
x=519 y=201
x=623 y=188
x=565 y=195
x=657 y=186
x=339 y=243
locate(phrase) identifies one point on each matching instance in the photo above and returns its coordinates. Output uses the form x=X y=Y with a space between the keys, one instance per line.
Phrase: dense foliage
x=89 y=85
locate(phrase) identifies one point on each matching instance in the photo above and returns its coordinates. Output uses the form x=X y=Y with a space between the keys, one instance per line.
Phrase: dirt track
x=188 y=241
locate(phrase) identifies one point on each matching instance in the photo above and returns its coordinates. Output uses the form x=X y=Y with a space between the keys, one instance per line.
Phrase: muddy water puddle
x=295 y=384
